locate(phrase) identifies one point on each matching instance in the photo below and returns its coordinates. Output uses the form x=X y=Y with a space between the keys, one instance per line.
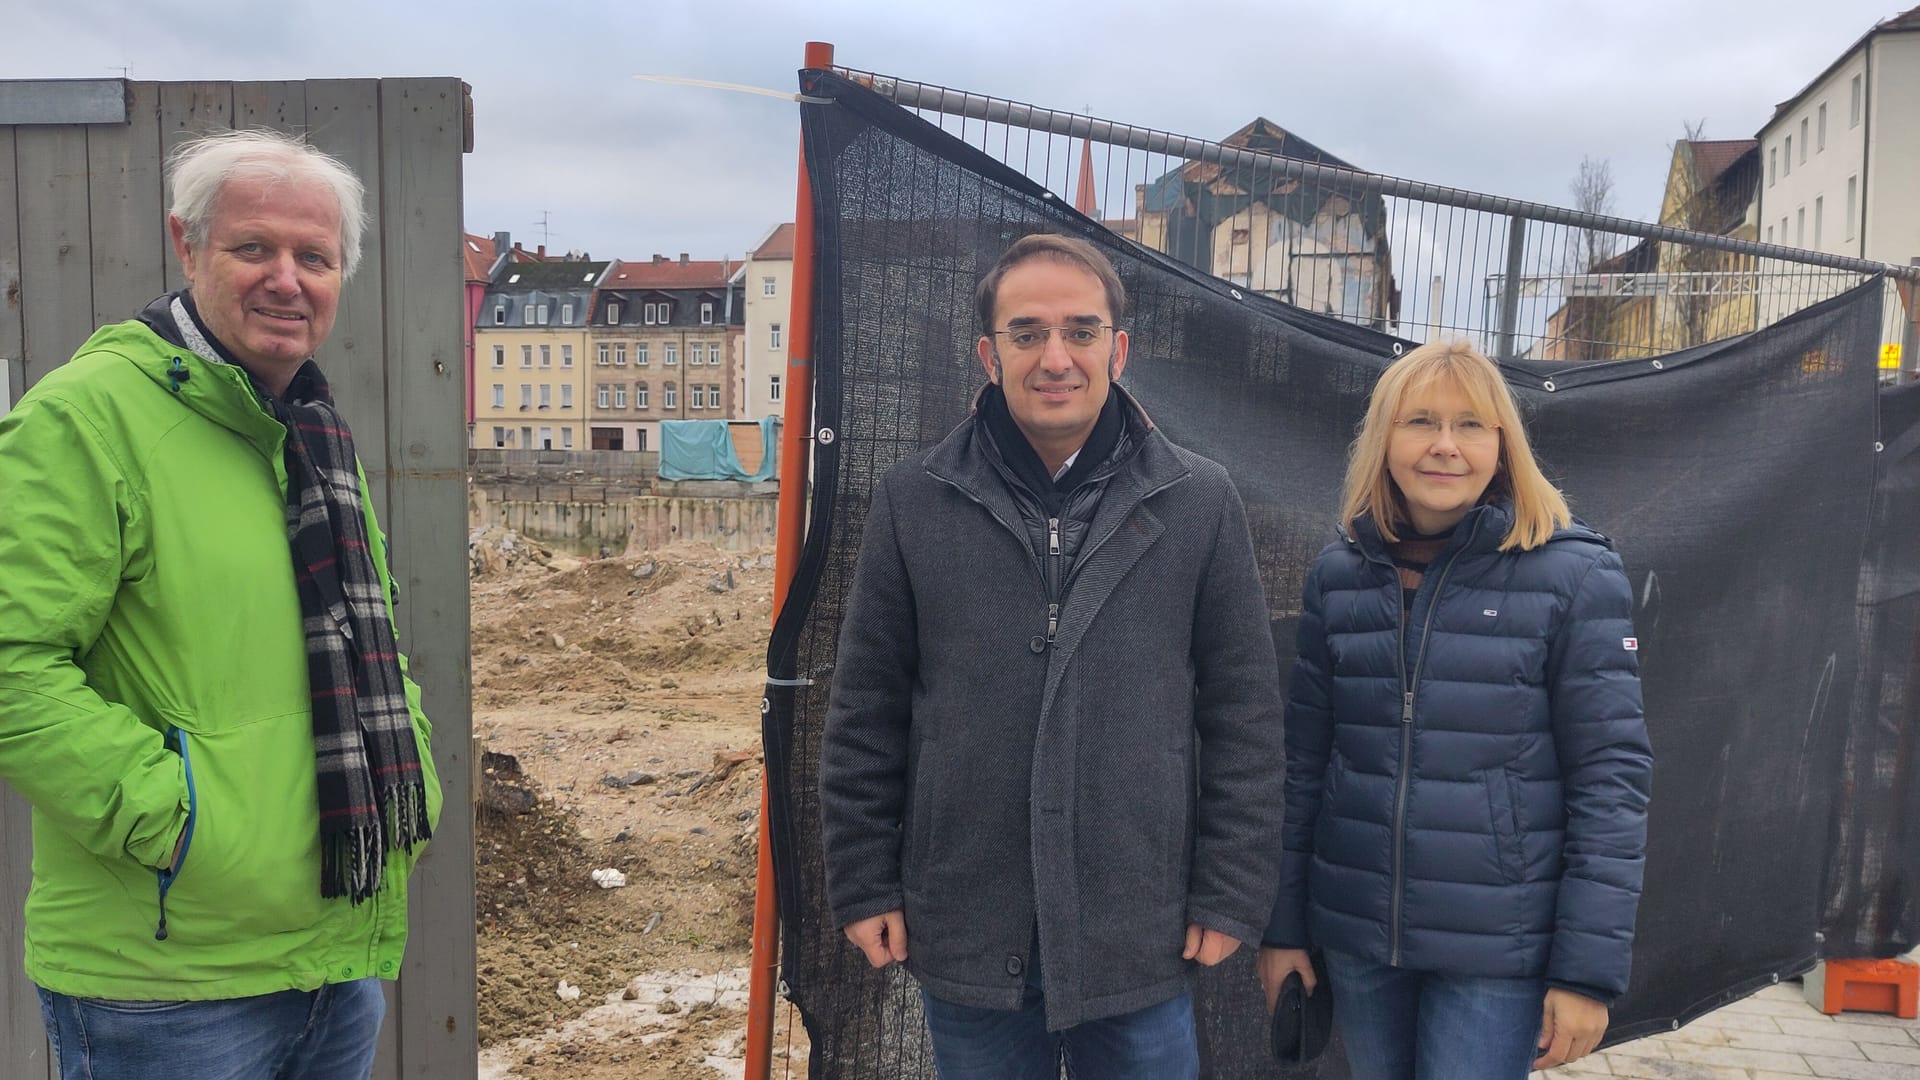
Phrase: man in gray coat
x=1053 y=749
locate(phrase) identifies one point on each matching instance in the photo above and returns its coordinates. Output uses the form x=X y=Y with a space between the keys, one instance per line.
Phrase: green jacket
x=153 y=685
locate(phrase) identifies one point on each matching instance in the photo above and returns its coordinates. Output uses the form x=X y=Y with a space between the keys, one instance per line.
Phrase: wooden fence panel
x=128 y=208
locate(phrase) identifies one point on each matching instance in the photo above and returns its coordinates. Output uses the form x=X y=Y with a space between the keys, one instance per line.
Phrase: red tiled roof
x=478 y=253
x=669 y=274
x=1711 y=157
x=779 y=245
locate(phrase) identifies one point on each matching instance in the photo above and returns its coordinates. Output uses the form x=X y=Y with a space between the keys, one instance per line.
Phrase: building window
x=1786 y=159
x=658 y=314
x=546 y=395
x=526 y=395
x=1823 y=127
x=499 y=356
x=526 y=356
x=696 y=397
x=713 y=396
x=526 y=438
x=1773 y=165
x=613 y=314
x=499 y=396
x=1819 y=211
x=543 y=314
x=669 y=396
x=1783 y=229
x=698 y=354
x=566 y=314
x=773 y=388
x=1853 y=203
x=600 y=396
x=640 y=437
x=566 y=395
x=1803 y=140
x=620 y=396
x=546 y=356
x=1800 y=227
x=546 y=438
x=600 y=354
x=1769 y=234
x=766 y=286
x=500 y=315
x=566 y=356
x=1853 y=111
x=639 y=395
x=773 y=336
x=620 y=354
x=706 y=314
x=566 y=438
x=670 y=354
x=499 y=438
x=640 y=354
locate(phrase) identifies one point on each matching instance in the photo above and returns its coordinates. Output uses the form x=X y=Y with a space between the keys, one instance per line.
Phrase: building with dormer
x=662 y=344
x=530 y=355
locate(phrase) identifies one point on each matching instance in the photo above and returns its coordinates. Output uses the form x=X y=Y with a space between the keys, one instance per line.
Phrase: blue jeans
x=1154 y=1043
x=1422 y=1025
x=324 y=1034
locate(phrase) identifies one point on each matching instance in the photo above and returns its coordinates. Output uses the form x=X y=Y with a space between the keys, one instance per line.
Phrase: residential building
x=1848 y=148
x=1310 y=245
x=531 y=359
x=479 y=256
x=767 y=280
x=663 y=344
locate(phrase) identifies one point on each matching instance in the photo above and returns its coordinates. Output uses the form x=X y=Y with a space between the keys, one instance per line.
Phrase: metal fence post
x=1510 y=285
x=1910 y=341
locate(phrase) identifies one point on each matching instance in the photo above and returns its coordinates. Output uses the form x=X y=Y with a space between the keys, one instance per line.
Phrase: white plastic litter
x=567 y=991
x=610 y=878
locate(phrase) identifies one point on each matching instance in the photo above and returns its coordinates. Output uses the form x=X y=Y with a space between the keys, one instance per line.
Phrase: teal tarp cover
x=703 y=450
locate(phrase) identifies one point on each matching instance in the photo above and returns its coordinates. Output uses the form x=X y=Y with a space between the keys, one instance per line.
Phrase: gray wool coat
x=1110 y=787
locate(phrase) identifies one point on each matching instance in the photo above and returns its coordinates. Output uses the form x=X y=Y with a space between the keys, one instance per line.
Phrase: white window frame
x=713 y=397
x=1786 y=158
x=499 y=438
x=566 y=438
x=499 y=395
x=1853 y=112
x=639 y=354
x=639 y=395
x=543 y=314
x=620 y=395
x=1853 y=204
x=669 y=396
x=602 y=397
x=546 y=356
x=1800 y=227
x=613 y=313
x=1819 y=212
x=670 y=354
x=546 y=395
x=619 y=354
x=706 y=313
x=566 y=395
x=1773 y=165
x=500 y=314
x=601 y=354
x=773 y=336
x=1803 y=140
x=566 y=314
x=546 y=439
x=767 y=286
x=773 y=388
x=526 y=395
x=566 y=356
x=1823 y=127
x=499 y=356
x=526 y=356
x=697 y=397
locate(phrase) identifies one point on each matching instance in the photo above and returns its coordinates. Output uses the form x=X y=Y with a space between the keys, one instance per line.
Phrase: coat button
x=1016 y=965
x=1038 y=644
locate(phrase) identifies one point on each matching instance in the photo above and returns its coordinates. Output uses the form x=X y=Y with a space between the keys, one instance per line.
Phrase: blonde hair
x=1538 y=507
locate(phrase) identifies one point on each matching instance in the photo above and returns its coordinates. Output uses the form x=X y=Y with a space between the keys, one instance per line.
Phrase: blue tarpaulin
x=703 y=450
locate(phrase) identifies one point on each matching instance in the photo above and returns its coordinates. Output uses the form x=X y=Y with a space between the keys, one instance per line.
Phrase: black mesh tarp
x=1764 y=493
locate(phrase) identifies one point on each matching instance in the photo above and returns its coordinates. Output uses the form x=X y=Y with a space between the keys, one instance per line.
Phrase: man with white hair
x=200 y=691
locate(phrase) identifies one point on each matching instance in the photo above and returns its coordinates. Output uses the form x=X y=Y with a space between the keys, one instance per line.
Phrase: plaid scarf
x=373 y=795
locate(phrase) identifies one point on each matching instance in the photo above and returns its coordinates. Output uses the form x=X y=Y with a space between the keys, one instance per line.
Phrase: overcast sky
x=1503 y=96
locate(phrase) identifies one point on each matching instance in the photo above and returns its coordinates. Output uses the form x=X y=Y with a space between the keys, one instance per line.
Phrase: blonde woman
x=1467 y=762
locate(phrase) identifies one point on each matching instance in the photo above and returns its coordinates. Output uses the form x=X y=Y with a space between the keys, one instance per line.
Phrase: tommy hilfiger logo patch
x=1490 y=613
x=1631 y=644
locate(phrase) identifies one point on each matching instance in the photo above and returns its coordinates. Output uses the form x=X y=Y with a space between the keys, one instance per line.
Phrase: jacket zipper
x=172 y=872
x=1053 y=577
x=1407 y=687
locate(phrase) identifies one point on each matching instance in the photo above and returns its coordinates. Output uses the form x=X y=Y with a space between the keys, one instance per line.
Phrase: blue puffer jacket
x=1467 y=793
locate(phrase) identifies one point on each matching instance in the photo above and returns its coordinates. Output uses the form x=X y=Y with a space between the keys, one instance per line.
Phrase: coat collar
x=1481 y=532
x=964 y=459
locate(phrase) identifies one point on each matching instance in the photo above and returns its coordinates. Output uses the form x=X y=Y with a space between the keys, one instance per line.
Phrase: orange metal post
x=790 y=533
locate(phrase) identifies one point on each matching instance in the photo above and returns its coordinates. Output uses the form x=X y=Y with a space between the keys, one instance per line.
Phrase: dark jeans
x=1154 y=1043
x=1421 y=1025
x=324 y=1034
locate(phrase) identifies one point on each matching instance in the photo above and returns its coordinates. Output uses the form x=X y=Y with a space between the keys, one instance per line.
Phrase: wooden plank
x=56 y=275
x=62 y=101
x=343 y=119
x=11 y=344
x=277 y=106
x=188 y=109
x=23 y=1038
x=126 y=202
x=422 y=139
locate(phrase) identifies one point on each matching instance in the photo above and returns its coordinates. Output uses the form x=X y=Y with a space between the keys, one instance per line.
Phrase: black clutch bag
x=1302 y=1024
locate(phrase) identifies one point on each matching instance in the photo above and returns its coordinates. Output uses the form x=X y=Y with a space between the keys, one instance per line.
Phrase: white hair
x=201 y=167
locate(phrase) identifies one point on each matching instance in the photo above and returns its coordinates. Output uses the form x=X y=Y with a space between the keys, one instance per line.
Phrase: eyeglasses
x=1087 y=337
x=1467 y=430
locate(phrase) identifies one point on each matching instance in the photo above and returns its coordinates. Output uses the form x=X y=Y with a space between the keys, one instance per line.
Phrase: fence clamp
x=825 y=436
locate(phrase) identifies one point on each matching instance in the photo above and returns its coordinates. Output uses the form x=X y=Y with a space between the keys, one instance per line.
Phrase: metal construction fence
x=1272 y=213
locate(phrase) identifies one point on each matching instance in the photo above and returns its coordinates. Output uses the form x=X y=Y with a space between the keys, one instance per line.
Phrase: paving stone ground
x=1773 y=1035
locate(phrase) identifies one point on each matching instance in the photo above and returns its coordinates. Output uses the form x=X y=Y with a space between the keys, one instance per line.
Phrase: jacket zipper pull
x=160 y=932
x=1053 y=621
x=1406 y=707
x=1053 y=536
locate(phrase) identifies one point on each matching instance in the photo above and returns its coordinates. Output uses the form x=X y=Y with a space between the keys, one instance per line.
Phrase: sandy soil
x=617 y=706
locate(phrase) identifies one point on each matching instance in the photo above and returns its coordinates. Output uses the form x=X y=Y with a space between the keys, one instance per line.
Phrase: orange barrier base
x=1882 y=986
